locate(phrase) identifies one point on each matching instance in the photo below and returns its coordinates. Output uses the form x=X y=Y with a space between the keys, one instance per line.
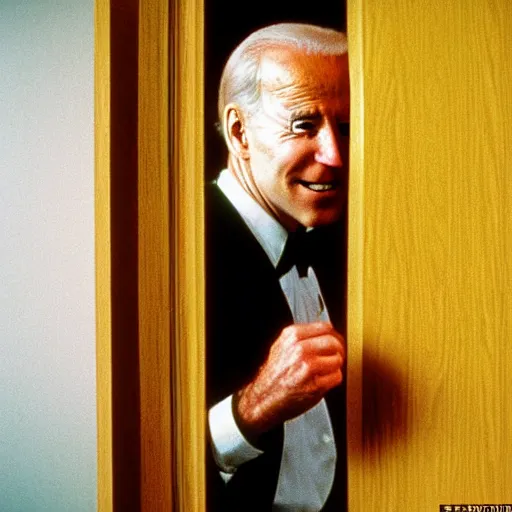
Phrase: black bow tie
x=297 y=251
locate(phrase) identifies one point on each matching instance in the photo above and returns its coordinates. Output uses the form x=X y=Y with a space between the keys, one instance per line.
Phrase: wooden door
x=430 y=254
x=430 y=273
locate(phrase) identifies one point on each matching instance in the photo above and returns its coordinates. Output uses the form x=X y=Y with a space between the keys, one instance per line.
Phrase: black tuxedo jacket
x=246 y=311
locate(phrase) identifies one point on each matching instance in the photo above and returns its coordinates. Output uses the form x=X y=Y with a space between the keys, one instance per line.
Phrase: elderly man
x=275 y=355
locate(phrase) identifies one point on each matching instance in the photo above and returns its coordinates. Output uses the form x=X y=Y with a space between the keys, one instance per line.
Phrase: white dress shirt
x=309 y=452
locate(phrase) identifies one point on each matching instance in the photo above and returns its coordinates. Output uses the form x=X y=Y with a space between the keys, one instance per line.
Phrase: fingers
x=303 y=364
x=323 y=332
x=325 y=345
x=314 y=349
x=314 y=339
x=329 y=380
x=321 y=355
x=322 y=373
x=328 y=364
x=309 y=330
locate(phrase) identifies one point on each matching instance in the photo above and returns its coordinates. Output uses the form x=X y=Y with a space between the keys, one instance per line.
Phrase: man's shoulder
x=224 y=225
x=219 y=211
x=216 y=203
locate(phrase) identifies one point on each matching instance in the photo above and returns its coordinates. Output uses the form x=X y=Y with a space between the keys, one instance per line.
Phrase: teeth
x=320 y=187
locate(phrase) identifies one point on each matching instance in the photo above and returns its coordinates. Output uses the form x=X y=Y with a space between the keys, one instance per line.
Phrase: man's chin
x=311 y=218
x=322 y=219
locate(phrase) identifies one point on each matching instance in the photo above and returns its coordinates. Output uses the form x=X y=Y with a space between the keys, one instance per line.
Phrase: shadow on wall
x=385 y=405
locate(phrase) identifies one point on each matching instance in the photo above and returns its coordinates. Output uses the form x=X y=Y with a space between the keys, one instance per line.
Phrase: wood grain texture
x=436 y=283
x=154 y=256
x=187 y=177
x=103 y=253
x=355 y=254
x=157 y=221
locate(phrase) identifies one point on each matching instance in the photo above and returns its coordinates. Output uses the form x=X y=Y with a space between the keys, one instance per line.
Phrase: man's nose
x=329 y=147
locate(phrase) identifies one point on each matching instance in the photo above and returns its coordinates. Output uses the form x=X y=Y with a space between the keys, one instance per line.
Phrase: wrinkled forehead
x=283 y=70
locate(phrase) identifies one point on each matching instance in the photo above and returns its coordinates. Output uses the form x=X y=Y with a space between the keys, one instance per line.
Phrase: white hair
x=240 y=81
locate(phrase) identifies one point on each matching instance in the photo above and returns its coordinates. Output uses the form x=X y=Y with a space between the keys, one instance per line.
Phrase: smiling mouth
x=318 y=187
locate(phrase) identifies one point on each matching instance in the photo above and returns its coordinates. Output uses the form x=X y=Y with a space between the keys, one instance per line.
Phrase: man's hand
x=303 y=364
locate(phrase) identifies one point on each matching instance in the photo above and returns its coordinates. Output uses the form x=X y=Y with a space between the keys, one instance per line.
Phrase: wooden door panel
x=431 y=278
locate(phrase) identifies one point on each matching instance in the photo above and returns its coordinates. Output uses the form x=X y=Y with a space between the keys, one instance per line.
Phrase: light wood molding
x=187 y=183
x=154 y=257
x=355 y=253
x=133 y=256
x=103 y=252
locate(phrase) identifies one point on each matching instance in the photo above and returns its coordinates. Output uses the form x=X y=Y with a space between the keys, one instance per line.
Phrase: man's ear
x=234 y=131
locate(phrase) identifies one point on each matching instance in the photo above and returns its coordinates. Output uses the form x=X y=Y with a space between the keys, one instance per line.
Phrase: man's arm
x=303 y=364
x=230 y=447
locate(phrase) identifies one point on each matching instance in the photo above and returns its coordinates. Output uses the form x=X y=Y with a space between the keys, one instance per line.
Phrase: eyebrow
x=312 y=115
x=305 y=114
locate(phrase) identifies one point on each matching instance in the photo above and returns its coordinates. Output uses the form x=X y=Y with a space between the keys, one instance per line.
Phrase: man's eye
x=302 y=126
x=344 y=129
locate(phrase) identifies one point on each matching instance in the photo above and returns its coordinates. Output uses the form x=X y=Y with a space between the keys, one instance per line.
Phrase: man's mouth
x=318 y=187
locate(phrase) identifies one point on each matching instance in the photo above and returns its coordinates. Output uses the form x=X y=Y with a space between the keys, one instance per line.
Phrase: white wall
x=47 y=351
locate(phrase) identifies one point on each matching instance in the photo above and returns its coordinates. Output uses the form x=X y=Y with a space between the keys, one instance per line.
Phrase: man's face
x=298 y=139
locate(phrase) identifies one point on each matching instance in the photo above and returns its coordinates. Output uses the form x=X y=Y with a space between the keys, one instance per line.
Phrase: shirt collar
x=267 y=230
